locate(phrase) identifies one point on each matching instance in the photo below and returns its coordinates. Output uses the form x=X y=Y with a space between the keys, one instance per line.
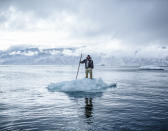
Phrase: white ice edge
x=151 y=67
x=94 y=85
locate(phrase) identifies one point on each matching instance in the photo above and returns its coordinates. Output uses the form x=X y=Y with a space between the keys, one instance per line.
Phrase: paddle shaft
x=78 y=66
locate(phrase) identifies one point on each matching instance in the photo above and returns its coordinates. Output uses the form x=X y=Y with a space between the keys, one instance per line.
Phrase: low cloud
x=102 y=26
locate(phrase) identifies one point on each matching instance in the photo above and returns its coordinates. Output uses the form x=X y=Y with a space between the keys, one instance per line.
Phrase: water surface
x=139 y=102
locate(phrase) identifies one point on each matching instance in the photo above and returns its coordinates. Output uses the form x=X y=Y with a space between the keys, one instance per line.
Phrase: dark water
x=138 y=103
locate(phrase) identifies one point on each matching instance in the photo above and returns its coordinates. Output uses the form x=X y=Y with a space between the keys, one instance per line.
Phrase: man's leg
x=90 y=71
x=86 y=72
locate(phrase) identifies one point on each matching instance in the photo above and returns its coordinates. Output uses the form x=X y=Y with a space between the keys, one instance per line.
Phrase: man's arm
x=83 y=61
x=92 y=64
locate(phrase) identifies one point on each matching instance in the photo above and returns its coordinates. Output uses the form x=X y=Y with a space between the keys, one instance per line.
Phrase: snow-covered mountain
x=70 y=56
x=38 y=56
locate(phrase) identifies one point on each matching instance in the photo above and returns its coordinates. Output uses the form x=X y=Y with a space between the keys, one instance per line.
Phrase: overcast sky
x=102 y=25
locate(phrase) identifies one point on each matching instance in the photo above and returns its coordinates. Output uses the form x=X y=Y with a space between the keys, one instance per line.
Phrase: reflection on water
x=88 y=110
x=88 y=107
x=81 y=94
x=88 y=103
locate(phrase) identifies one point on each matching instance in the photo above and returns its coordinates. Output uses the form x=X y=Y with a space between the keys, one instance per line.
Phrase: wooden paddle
x=78 y=66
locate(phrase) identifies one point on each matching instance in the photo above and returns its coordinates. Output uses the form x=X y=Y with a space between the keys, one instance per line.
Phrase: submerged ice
x=95 y=85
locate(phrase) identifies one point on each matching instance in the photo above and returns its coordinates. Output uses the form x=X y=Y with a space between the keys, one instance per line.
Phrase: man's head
x=88 y=57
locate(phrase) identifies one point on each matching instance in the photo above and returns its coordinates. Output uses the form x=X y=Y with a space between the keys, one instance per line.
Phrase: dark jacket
x=90 y=63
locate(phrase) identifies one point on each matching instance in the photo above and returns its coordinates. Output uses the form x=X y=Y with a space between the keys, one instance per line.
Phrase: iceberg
x=81 y=85
x=151 y=67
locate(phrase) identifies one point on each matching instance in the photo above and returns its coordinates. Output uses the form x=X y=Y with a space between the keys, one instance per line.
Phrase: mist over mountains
x=70 y=56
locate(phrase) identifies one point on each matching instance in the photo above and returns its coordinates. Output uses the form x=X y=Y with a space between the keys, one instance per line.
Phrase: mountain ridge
x=70 y=56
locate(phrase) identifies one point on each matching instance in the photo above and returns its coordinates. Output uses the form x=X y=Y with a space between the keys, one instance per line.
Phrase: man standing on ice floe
x=88 y=66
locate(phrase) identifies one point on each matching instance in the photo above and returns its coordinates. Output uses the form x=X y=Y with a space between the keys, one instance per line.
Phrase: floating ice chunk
x=151 y=67
x=94 y=85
